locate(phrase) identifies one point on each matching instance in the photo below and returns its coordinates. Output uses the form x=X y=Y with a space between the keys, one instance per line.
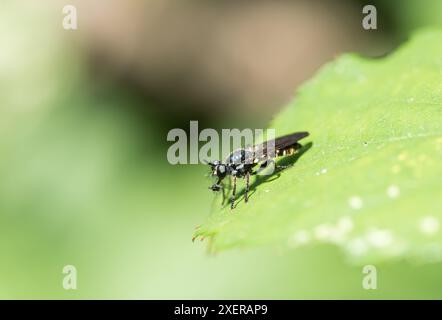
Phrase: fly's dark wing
x=282 y=143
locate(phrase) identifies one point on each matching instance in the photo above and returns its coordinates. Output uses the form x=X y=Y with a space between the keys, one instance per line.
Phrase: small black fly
x=242 y=162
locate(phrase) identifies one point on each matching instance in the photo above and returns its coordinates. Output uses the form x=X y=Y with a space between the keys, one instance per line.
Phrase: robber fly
x=242 y=162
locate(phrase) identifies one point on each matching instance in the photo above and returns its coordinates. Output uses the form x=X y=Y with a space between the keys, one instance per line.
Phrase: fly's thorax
x=240 y=156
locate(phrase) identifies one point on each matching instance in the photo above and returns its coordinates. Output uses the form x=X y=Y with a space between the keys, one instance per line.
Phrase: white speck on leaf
x=393 y=191
x=429 y=225
x=357 y=247
x=345 y=224
x=301 y=237
x=322 y=171
x=379 y=238
x=334 y=233
x=355 y=202
x=323 y=231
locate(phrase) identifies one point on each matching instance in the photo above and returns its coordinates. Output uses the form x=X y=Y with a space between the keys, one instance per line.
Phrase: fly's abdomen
x=289 y=150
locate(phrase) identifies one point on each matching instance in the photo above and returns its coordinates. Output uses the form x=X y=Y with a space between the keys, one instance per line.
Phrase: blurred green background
x=83 y=121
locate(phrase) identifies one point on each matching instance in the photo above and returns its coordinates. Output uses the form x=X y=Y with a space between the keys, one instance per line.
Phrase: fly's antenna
x=210 y=174
x=207 y=162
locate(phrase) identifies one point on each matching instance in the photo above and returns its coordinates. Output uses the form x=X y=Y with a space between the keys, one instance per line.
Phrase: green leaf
x=371 y=181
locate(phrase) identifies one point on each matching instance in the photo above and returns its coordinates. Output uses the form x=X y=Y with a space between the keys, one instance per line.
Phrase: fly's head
x=218 y=170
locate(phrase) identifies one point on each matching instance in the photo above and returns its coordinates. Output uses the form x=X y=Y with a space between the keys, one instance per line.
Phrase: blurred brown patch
x=229 y=56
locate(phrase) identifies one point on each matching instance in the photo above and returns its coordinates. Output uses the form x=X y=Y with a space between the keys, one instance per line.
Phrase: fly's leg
x=217 y=186
x=232 y=200
x=246 y=195
x=226 y=192
x=221 y=188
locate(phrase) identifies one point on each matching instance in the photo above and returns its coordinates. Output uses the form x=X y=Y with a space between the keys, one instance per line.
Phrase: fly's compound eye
x=221 y=170
x=214 y=167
